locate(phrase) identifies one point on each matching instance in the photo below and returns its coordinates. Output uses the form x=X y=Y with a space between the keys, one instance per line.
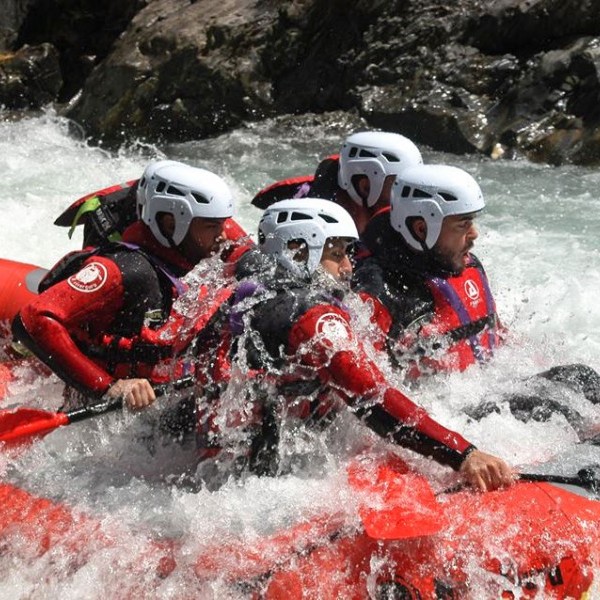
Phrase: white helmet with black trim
x=185 y=192
x=432 y=192
x=376 y=155
x=310 y=220
x=145 y=179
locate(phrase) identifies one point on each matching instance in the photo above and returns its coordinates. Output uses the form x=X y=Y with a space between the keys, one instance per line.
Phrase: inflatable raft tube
x=18 y=285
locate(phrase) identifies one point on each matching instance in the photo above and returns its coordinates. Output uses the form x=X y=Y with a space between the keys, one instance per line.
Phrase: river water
x=539 y=240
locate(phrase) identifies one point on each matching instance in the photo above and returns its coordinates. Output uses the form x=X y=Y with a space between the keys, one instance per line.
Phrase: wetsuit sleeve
x=322 y=338
x=70 y=313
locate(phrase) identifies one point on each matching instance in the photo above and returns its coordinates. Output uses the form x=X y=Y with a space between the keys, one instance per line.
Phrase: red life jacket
x=125 y=350
x=465 y=320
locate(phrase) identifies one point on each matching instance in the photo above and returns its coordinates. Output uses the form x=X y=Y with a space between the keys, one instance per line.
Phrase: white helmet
x=312 y=220
x=432 y=192
x=374 y=154
x=146 y=177
x=185 y=192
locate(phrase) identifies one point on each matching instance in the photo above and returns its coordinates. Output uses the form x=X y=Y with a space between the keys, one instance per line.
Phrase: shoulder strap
x=65 y=267
x=111 y=194
x=468 y=329
x=159 y=266
x=101 y=218
x=104 y=214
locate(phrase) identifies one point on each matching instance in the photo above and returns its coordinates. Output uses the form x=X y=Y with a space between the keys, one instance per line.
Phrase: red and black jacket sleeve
x=323 y=339
x=67 y=316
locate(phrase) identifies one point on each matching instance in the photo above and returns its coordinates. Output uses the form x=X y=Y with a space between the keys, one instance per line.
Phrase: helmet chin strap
x=169 y=238
x=164 y=230
x=417 y=238
x=365 y=200
x=358 y=189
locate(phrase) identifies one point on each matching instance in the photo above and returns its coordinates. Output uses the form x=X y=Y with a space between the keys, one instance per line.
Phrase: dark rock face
x=511 y=25
x=12 y=15
x=501 y=77
x=29 y=78
x=474 y=79
x=551 y=110
x=180 y=73
x=83 y=32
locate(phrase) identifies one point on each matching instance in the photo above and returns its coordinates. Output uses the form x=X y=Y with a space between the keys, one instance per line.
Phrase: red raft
x=530 y=541
x=534 y=540
x=18 y=285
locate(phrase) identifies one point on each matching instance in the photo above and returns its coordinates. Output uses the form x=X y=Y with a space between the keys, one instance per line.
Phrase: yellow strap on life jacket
x=89 y=205
x=92 y=204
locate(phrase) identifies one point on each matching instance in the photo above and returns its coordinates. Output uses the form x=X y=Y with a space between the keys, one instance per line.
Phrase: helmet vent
x=329 y=219
x=143 y=182
x=175 y=191
x=405 y=191
x=390 y=157
x=366 y=154
x=417 y=193
x=353 y=152
x=448 y=197
x=282 y=217
x=161 y=186
x=200 y=199
x=298 y=216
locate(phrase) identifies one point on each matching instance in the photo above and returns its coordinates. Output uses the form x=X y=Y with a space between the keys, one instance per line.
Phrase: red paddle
x=20 y=425
x=401 y=503
x=28 y=422
x=24 y=423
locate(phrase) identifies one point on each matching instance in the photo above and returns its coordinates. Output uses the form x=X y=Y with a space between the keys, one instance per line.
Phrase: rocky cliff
x=500 y=77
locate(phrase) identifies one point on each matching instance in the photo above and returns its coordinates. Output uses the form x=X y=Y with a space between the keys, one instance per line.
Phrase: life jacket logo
x=91 y=278
x=332 y=327
x=471 y=289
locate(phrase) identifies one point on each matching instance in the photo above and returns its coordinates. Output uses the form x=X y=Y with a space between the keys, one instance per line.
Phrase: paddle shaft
x=27 y=423
x=91 y=410
x=550 y=478
x=585 y=478
x=85 y=412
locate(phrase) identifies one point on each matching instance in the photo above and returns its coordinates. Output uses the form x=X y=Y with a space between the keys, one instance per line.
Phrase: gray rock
x=181 y=72
x=12 y=15
x=502 y=77
x=29 y=78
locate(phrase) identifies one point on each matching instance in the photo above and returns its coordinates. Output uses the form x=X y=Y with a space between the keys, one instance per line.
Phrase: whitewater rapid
x=539 y=241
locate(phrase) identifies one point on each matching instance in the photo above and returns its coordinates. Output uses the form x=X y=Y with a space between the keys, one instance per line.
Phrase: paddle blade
x=25 y=423
x=400 y=504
